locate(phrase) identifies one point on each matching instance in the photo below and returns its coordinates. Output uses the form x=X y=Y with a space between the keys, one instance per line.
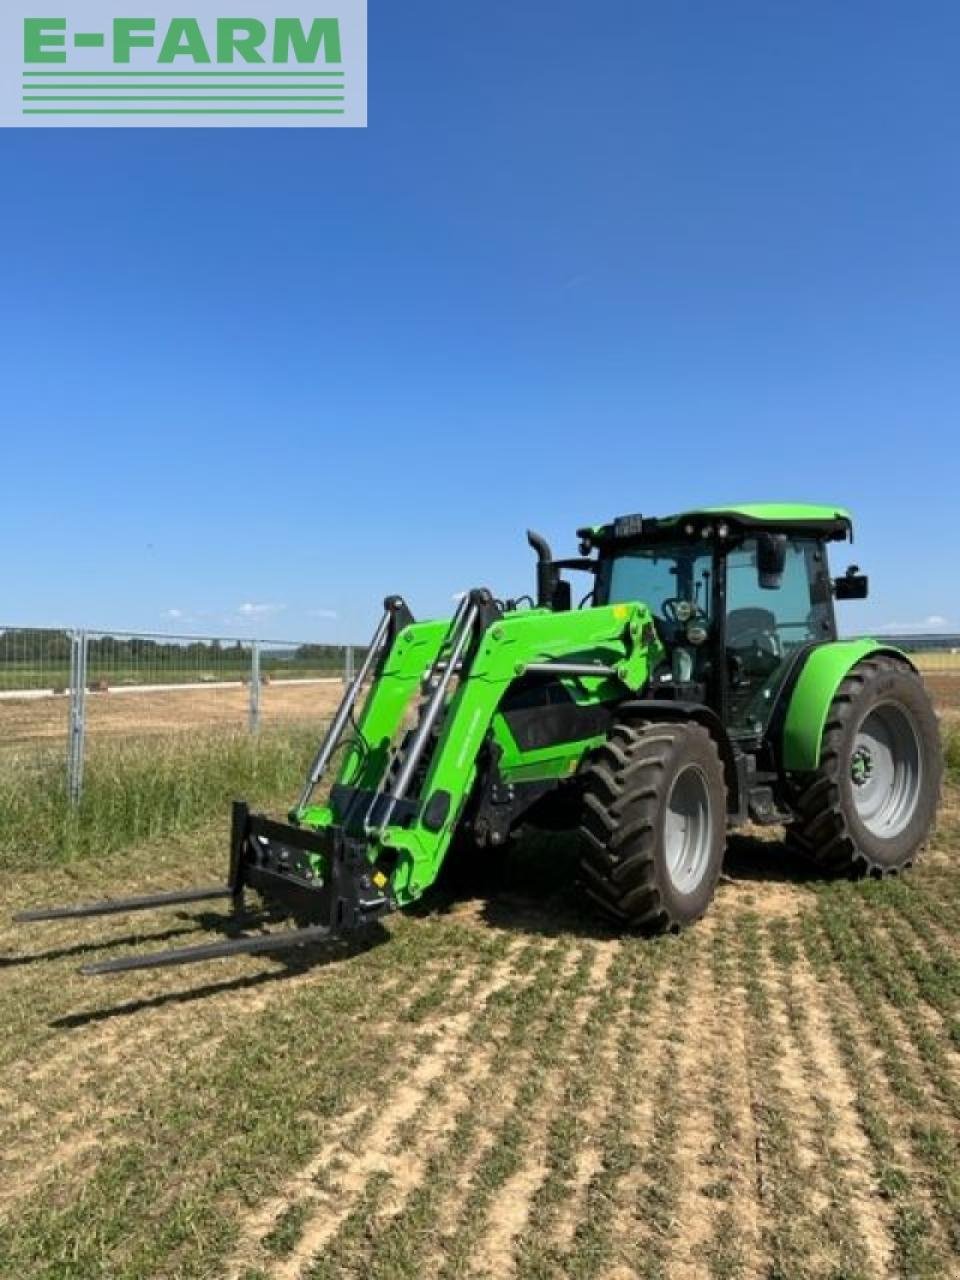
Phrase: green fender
x=822 y=674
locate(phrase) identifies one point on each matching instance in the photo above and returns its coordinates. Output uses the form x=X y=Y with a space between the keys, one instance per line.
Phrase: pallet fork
x=267 y=856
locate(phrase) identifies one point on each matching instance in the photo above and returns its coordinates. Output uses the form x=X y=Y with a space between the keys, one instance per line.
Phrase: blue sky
x=584 y=260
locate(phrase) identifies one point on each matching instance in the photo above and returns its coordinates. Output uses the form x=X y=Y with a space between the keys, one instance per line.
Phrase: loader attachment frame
x=321 y=879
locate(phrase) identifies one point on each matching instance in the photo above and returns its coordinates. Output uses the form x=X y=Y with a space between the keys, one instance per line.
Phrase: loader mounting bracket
x=323 y=875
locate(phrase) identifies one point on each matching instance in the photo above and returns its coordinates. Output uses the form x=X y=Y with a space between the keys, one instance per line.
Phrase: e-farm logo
x=99 y=64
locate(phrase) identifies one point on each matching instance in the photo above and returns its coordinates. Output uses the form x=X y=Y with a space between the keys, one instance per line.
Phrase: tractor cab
x=739 y=596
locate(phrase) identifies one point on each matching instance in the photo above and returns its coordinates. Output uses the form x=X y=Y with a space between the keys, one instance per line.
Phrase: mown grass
x=677 y=1082
x=227 y=1088
x=140 y=789
x=227 y=1125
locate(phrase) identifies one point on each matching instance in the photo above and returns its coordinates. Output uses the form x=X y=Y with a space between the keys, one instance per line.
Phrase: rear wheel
x=653 y=825
x=871 y=804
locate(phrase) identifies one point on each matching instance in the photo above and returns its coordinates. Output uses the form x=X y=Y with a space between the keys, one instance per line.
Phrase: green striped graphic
x=182 y=111
x=228 y=97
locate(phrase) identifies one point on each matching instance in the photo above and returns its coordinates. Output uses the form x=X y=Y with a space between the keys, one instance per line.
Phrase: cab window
x=764 y=627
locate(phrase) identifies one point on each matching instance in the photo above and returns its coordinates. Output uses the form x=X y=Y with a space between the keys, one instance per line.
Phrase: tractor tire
x=871 y=804
x=653 y=824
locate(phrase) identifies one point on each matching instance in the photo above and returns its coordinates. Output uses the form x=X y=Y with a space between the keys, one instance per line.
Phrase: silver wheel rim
x=885 y=769
x=686 y=830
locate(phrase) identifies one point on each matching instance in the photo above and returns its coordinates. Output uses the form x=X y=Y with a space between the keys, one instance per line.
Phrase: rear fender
x=823 y=672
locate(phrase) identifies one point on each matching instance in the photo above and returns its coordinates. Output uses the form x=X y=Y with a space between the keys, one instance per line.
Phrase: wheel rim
x=687 y=829
x=885 y=770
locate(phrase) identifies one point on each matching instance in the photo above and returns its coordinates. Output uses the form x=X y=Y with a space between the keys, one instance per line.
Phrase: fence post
x=78 y=721
x=255 y=686
x=348 y=664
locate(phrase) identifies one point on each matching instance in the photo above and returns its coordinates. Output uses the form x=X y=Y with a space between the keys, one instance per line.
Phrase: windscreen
x=659 y=577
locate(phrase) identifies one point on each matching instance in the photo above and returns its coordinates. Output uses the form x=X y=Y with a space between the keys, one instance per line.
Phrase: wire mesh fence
x=61 y=689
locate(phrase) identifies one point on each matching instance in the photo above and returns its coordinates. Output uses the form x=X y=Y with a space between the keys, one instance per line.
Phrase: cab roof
x=786 y=517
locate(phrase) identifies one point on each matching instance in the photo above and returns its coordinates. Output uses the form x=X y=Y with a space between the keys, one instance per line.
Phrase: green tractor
x=699 y=685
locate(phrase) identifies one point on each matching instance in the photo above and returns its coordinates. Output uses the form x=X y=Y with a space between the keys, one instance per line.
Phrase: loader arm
x=596 y=654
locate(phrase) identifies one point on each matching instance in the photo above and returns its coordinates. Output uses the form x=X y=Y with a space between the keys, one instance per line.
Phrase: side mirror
x=852 y=586
x=771 y=559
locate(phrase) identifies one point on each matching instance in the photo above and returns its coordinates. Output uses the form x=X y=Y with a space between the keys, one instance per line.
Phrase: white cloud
x=933 y=622
x=250 y=610
x=175 y=613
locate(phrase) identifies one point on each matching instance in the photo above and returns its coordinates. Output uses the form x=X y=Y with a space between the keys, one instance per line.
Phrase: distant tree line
x=38 y=645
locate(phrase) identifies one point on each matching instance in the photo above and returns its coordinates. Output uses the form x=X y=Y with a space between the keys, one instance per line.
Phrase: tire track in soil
x=857 y=1231
x=790 y=1188
x=682 y=1213
x=730 y=1248
x=415 y=1240
x=918 y=1236
x=440 y=1199
x=461 y=1250
x=626 y=1228
x=395 y=1235
x=594 y=1120
x=509 y=1209
x=329 y=1186
x=723 y=1202
x=851 y=1144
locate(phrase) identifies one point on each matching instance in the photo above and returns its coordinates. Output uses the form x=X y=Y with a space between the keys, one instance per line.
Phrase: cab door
x=765 y=628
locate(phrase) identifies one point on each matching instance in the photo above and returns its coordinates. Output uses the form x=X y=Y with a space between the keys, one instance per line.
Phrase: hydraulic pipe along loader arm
x=704 y=685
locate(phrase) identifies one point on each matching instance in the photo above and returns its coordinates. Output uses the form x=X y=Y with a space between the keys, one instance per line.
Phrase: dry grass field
x=31 y=722
x=944 y=688
x=493 y=1086
x=43 y=721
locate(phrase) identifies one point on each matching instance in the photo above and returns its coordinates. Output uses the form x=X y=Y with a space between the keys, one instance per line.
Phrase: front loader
x=700 y=685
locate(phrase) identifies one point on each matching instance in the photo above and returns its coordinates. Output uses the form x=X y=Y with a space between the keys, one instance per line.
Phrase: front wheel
x=872 y=802
x=653 y=824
